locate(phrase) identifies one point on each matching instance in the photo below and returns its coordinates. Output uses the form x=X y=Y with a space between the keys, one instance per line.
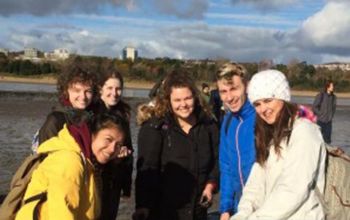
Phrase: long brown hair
x=267 y=135
x=178 y=78
x=110 y=73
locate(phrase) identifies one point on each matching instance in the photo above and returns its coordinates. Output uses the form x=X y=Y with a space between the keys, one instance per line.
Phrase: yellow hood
x=63 y=141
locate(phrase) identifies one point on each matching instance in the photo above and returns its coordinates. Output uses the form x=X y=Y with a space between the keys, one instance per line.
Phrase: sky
x=316 y=31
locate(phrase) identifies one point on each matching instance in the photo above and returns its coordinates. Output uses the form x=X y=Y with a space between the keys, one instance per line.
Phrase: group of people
x=87 y=138
x=266 y=155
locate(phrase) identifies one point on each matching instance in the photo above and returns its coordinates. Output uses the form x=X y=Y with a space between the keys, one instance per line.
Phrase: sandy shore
x=140 y=84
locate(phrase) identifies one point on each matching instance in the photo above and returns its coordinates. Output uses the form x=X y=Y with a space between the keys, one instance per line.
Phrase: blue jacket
x=236 y=161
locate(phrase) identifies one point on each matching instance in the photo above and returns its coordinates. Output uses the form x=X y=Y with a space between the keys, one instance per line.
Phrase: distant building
x=4 y=51
x=30 y=52
x=129 y=53
x=61 y=53
x=57 y=54
x=333 y=66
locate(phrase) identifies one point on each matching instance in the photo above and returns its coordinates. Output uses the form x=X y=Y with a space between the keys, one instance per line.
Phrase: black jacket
x=116 y=175
x=59 y=116
x=173 y=167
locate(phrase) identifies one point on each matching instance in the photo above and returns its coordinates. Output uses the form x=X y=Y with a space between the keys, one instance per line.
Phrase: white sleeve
x=292 y=187
x=253 y=193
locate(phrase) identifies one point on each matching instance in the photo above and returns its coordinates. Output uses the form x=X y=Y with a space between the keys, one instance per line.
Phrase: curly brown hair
x=178 y=78
x=74 y=74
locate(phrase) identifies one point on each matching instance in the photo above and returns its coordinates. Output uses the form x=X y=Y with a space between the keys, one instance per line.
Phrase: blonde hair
x=228 y=70
x=144 y=112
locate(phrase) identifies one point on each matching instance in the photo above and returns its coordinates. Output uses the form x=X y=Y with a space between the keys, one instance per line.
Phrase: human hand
x=124 y=152
x=207 y=196
x=225 y=216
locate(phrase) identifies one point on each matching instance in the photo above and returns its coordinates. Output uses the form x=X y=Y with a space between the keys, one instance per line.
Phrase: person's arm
x=213 y=177
x=252 y=193
x=65 y=174
x=334 y=105
x=317 y=104
x=53 y=124
x=128 y=166
x=147 y=182
x=228 y=181
x=301 y=160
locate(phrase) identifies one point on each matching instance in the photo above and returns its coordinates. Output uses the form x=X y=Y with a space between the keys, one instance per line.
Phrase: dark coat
x=324 y=106
x=216 y=104
x=59 y=116
x=173 y=167
x=116 y=175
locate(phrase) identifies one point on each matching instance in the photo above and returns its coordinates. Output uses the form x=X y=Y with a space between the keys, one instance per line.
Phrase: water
x=46 y=88
x=21 y=114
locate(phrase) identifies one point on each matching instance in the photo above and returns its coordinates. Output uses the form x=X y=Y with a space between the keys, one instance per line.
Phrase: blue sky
x=316 y=31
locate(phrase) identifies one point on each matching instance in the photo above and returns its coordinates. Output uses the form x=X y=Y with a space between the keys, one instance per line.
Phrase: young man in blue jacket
x=237 y=148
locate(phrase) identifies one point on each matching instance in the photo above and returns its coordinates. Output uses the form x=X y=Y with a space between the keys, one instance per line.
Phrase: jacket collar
x=201 y=117
x=246 y=111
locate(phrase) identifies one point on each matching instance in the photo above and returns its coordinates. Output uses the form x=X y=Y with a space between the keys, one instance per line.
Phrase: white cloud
x=321 y=37
x=328 y=30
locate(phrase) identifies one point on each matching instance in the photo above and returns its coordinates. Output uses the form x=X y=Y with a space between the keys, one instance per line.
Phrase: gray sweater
x=324 y=106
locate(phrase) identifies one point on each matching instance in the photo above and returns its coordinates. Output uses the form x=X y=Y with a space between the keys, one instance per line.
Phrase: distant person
x=237 y=149
x=324 y=107
x=116 y=175
x=75 y=93
x=205 y=92
x=177 y=169
x=156 y=88
x=67 y=176
x=216 y=105
x=290 y=157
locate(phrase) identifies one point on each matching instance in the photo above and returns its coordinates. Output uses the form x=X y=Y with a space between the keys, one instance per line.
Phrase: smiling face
x=80 y=95
x=106 y=144
x=182 y=102
x=232 y=93
x=111 y=91
x=268 y=109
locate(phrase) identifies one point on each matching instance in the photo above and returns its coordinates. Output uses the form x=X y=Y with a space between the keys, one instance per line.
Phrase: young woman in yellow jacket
x=68 y=174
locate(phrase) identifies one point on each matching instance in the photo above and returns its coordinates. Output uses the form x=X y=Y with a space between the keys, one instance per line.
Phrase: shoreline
x=134 y=84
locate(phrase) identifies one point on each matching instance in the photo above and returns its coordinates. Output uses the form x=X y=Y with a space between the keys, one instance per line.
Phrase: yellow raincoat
x=68 y=181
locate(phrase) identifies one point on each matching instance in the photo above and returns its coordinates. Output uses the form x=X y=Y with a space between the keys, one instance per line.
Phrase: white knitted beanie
x=268 y=84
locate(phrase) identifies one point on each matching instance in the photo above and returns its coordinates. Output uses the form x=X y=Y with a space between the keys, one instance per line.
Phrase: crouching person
x=68 y=176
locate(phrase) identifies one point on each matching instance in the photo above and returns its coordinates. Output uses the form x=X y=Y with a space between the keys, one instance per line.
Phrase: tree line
x=300 y=74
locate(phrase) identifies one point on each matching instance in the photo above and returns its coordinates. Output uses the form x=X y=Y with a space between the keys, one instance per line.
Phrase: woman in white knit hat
x=290 y=162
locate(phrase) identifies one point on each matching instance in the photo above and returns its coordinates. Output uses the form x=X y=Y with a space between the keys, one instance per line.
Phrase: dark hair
x=107 y=120
x=74 y=74
x=121 y=106
x=178 y=78
x=327 y=84
x=205 y=85
x=110 y=73
x=266 y=134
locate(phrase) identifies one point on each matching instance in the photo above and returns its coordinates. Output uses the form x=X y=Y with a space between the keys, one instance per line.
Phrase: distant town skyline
x=316 y=31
